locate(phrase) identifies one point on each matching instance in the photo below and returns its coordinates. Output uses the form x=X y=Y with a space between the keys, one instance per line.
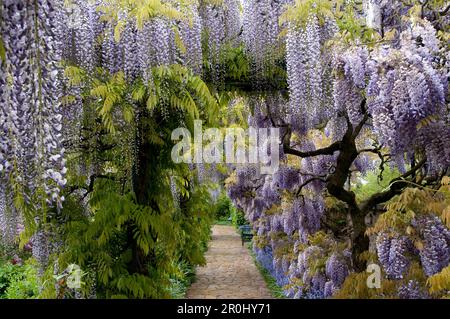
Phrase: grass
x=225 y=222
x=275 y=290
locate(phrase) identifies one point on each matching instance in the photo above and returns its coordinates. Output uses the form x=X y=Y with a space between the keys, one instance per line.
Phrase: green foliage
x=135 y=238
x=181 y=280
x=236 y=62
x=223 y=207
x=355 y=285
x=111 y=94
x=104 y=244
x=19 y=281
x=238 y=217
x=440 y=282
x=236 y=65
x=7 y=272
x=141 y=11
x=233 y=110
x=347 y=15
x=299 y=12
x=2 y=50
x=374 y=182
x=224 y=211
x=412 y=203
x=177 y=87
x=397 y=219
x=121 y=222
x=353 y=26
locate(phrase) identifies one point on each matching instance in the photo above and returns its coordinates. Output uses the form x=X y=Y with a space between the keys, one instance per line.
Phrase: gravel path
x=229 y=271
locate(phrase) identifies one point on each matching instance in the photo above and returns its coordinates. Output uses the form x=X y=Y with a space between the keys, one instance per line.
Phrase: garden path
x=229 y=271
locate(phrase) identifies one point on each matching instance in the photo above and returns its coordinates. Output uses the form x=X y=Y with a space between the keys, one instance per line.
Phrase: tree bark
x=140 y=183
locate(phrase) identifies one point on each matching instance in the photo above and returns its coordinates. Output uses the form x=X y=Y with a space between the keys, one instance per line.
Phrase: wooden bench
x=246 y=233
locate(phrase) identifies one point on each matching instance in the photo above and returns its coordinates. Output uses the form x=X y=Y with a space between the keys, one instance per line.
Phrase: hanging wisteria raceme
x=314 y=97
x=296 y=79
x=302 y=216
x=77 y=29
x=32 y=98
x=270 y=191
x=44 y=243
x=124 y=46
x=191 y=35
x=213 y=19
x=291 y=218
x=261 y=33
x=14 y=31
x=10 y=220
x=435 y=254
x=32 y=165
x=162 y=45
x=395 y=251
x=314 y=280
x=130 y=45
x=392 y=253
x=335 y=128
x=50 y=93
x=424 y=32
x=336 y=269
x=435 y=138
x=111 y=51
x=363 y=163
x=348 y=88
x=412 y=290
x=143 y=51
x=84 y=21
x=309 y=73
x=265 y=258
x=5 y=142
x=175 y=192
x=310 y=213
x=405 y=94
x=233 y=21
x=262 y=112
x=320 y=283
x=222 y=24
x=19 y=94
x=265 y=110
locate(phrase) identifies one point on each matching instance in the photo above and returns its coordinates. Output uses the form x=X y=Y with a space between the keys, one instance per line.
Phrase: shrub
x=181 y=279
x=223 y=207
x=7 y=272
x=19 y=281
x=238 y=217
